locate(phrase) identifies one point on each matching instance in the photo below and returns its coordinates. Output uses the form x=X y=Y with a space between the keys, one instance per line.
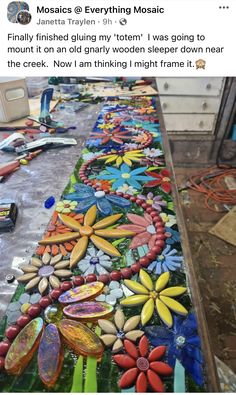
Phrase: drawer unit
x=190 y=104
x=206 y=86
x=185 y=123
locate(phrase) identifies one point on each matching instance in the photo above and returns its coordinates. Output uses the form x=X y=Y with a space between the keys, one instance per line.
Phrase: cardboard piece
x=225 y=229
x=110 y=89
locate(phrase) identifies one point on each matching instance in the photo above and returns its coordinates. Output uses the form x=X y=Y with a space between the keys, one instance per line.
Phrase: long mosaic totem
x=103 y=305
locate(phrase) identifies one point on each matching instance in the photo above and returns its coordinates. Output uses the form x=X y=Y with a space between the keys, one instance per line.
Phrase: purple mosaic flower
x=156 y=202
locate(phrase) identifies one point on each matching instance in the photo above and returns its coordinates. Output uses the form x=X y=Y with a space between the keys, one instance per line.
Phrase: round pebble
x=34 y=310
x=4 y=347
x=49 y=202
x=25 y=307
x=10 y=278
x=53 y=313
x=2 y=360
x=24 y=162
x=12 y=331
x=29 y=122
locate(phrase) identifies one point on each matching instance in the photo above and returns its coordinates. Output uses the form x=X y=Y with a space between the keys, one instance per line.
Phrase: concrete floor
x=29 y=187
x=215 y=269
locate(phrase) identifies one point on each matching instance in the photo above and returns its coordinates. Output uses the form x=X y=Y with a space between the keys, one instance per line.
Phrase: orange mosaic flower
x=103 y=184
x=143 y=110
x=54 y=228
x=141 y=138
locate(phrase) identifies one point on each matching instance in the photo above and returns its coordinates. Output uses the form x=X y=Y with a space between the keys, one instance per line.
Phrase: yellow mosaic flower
x=65 y=206
x=106 y=126
x=128 y=157
x=158 y=296
x=89 y=231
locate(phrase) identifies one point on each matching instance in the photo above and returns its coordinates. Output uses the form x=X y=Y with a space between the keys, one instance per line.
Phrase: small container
x=14 y=102
x=36 y=85
x=68 y=89
x=8 y=215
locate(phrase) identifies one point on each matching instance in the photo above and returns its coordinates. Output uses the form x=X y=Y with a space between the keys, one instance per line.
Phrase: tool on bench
x=45 y=117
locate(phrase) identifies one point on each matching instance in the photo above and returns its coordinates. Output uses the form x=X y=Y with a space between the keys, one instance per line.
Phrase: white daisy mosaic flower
x=113 y=293
x=131 y=145
x=128 y=189
x=96 y=262
x=168 y=219
x=91 y=155
x=152 y=152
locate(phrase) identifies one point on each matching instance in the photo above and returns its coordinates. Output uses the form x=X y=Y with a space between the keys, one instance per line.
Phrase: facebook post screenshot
x=117 y=196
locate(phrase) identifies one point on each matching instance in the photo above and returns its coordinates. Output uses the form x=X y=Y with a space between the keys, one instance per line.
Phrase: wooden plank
x=212 y=378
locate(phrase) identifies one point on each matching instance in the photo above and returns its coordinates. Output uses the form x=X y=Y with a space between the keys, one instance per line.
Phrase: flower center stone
x=99 y=194
x=94 y=260
x=51 y=228
x=86 y=231
x=151 y=229
x=53 y=314
x=180 y=341
x=120 y=335
x=149 y=201
x=142 y=364
x=153 y=294
x=165 y=179
x=125 y=175
x=46 y=271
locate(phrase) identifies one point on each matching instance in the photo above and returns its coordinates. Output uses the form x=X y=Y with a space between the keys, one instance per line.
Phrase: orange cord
x=211 y=183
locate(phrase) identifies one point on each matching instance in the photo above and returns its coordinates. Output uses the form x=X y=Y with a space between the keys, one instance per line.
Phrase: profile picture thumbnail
x=24 y=17
x=18 y=12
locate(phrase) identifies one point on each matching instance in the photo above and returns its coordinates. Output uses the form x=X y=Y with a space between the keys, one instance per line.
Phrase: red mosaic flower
x=143 y=368
x=162 y=180
x=115 y=135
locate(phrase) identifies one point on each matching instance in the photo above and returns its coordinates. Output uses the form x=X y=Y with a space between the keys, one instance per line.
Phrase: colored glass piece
x=49 y=202
x=88 y=311
x=53 y=313
x=80 y=338
x=82 y=293
x=50 y=356
x=23 y=347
